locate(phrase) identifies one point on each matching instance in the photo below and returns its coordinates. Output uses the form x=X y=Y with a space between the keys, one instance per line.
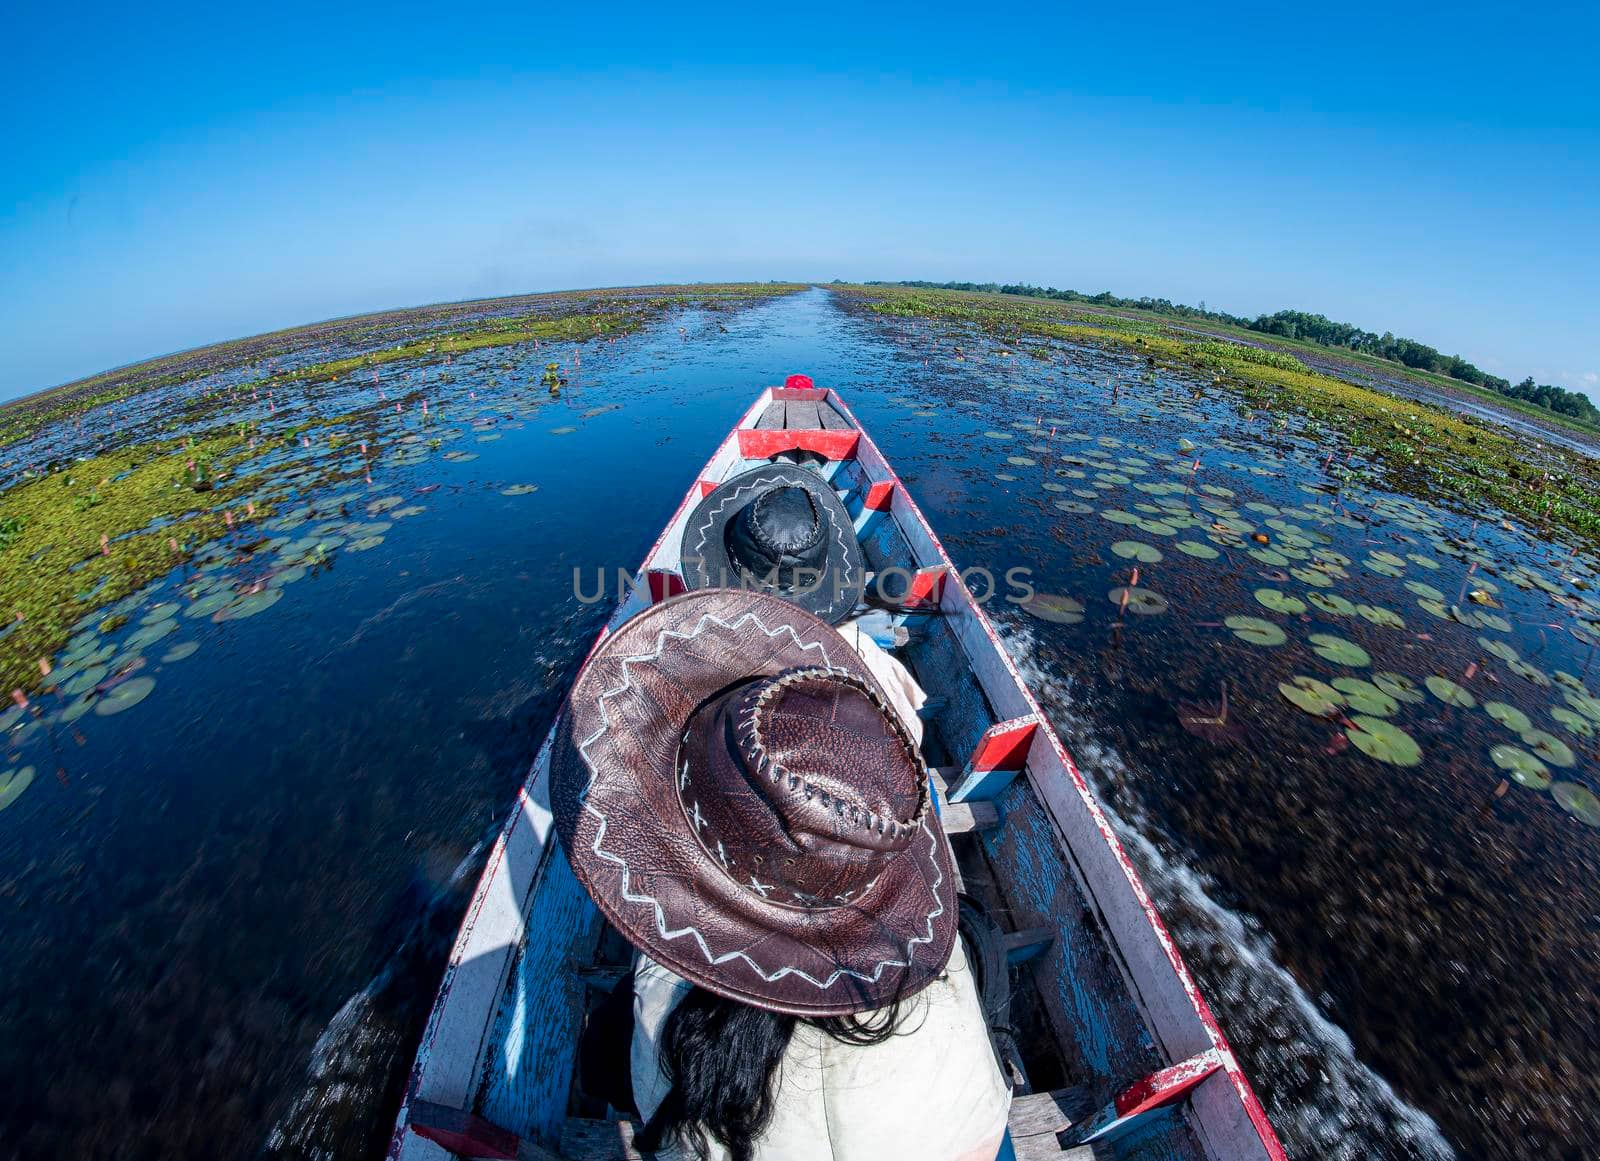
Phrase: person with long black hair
x=741 y=791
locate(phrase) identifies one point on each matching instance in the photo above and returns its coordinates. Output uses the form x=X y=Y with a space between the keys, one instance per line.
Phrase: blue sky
x=173 y=177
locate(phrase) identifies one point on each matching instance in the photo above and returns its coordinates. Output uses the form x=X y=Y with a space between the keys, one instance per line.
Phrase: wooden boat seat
x=802 y=415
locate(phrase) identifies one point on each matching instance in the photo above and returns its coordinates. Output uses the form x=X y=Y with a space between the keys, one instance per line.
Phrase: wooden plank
x=589 y=1140
x=831 y=419
x=1049 y=1112
x=773 y=418
x=802 y=416
x=965 y=817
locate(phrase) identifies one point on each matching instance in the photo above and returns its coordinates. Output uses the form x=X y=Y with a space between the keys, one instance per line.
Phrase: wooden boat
x=1101 y=1005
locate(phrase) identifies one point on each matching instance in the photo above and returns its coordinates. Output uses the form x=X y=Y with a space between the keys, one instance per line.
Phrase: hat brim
x=706 y=563
x=619 y=815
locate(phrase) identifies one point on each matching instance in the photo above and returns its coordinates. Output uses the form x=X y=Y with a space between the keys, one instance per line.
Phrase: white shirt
x=931 y=1093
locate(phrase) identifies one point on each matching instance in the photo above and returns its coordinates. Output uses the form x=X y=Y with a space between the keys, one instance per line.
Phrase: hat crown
x=803 y=786
x=783 y=522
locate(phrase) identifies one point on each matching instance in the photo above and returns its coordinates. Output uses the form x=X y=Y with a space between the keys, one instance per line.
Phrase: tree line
x=1315 y=328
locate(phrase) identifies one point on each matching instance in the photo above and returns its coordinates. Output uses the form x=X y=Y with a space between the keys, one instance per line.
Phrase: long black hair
x=719 y=1057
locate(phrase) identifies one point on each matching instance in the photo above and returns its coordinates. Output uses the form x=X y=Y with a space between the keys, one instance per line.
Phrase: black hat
x=782 y=529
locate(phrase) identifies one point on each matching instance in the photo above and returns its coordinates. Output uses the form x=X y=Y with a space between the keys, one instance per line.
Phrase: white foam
x=1341 y=1110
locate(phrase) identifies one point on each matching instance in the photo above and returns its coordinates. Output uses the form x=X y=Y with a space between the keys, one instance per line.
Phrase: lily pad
x=1365 y=697
x=570 y=430
x=1378 y=615
x=160 y=613
x=180 y=651
x=1509 y=716
x=1332 y=603
x=1117 y=516
x=1339 y=651
x=13 y=783
x=86 y=680
x=1197 y=550
x=1383 y=740
x=1549 y=748
x=1137 y=550
x=1573 y=721
x=1144 y=602
x=1499 y=649
x=1578 y=801
x=1053 y=607
x=460 y=457
x=1399 y=686
x=1423 y=589
x=124 y=696
x=208 y=604
x=150 y=634
x=1315 y=577
x=365 y=543
x=1314 y=697
x=1256 y=631
x=1449 y=692
x=1280 y=602
x=250 y=605
x=1523 y=767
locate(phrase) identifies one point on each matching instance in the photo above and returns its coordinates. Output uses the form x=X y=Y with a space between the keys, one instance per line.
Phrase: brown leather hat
x=741 y=802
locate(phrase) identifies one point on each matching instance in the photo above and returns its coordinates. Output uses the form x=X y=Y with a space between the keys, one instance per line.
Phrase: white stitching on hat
x=660 y=914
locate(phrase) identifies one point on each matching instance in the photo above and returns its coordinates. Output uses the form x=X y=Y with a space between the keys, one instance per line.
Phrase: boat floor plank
x=773 y=417
x=583 y=1139
x=831 y=419
x=802 y=416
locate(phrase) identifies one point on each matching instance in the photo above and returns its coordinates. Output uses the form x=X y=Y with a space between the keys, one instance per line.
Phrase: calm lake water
x=226 y=904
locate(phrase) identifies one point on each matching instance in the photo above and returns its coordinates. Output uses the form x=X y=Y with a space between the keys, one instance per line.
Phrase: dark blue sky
x=176 y=177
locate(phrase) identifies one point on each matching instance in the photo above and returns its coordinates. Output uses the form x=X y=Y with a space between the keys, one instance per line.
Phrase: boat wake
x=1322 y=1099
x=358 y=1067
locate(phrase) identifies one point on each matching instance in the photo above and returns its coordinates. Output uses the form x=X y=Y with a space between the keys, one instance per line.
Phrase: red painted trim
x=469 y=1135
x=927 y=586
x=706 y=488
x=1004 y=746
x=800 y=394
x=800 y=382
x=836 y=445
x=664 y=583
x=879 y=496
x=1167 y=1086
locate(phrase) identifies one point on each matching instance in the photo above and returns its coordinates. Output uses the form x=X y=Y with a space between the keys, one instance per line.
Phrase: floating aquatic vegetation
x=124 y=695
x=160 y=613
x=987 y=434
x=1006 y=477
x=1578 y=801
x=1530 y=673
x=1384 y=567
x=408 y=510
x=519 y=490
x=1022 y=461
x=249 y=605
x=13 y=783
x=1366 y=698
x=1449 y=692
x=364 y=544
x=1117 y=516
x=1522 y=766
x=1381 y=616
x=1331 y=603
x=1053 y=607
x=208 y=604
x=1144 y=602
x=489 y=437
x=1338 y=650
x=180 y=651
x=1315 y=697
x=1508 y=716
x=1548 y=747
x=1074 y=506
x=1400 y=687
x=460 y=457
x=86 y=680
x=1572 y=721
x=1256 y=631
x=1383 y=740
x=1281 y=602
x=1197 y=550
x=1137 y=550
